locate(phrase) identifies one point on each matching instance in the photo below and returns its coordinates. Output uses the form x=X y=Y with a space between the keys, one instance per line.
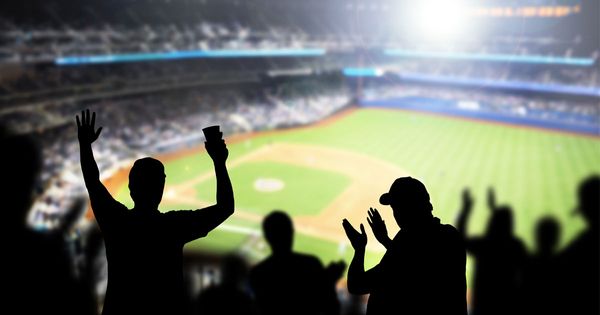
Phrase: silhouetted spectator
x=499 y=260
x=579 y=262
x=36 y=273
x=144 y=246
x=292 y=283
x=232 y=295
x=540 y=291
x=423 y=269
x=95 y=264
x=73 y=241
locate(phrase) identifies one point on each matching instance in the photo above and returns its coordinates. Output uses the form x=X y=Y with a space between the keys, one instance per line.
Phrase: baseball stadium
x=322 y=105
x=338 y=168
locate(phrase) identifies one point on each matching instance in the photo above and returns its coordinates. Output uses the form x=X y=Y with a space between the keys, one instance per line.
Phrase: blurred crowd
x=521 y=73
x=30 y=43
x=23 y=43
x=558 y=109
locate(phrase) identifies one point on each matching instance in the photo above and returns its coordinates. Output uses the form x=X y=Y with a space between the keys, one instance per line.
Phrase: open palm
x=378 y=226
x=86 y=126
x=358 y=240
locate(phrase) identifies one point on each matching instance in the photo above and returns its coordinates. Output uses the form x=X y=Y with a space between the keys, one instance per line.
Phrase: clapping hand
x=358 y=240
x=378 y=226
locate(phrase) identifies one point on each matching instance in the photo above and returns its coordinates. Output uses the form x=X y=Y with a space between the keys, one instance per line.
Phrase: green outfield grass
x=306 y=191
x=535 y=171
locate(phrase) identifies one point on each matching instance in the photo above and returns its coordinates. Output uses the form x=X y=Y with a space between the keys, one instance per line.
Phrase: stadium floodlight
x=440 y=20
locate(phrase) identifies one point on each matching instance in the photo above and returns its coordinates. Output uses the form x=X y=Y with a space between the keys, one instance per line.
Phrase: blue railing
x=572 y=61
x=293 y=52
x=131 y=57
x=362 y=72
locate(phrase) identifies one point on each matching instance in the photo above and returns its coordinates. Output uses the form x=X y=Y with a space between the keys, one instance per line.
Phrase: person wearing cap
x=144 y=246
x=423 y=269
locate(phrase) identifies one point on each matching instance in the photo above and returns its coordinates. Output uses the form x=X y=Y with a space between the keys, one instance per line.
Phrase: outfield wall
x=451 y=108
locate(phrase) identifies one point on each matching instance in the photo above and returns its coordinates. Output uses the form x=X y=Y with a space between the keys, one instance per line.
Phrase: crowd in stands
x=50 y=83
x=57 y=83
x=36 y=44
x=563 y=109
x=520 y=73
x=23 y=43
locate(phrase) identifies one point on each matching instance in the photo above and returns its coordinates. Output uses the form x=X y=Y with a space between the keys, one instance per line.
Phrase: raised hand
x=86 y=127
x=491 y=199
x=358 y=240
x=465 y=211
x=467 y=201
x=217 y=150
x=378 y=226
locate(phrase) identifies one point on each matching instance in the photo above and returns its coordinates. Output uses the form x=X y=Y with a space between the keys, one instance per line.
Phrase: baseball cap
x=407 y=190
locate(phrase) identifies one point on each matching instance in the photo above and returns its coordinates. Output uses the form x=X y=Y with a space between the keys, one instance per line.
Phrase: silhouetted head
x=409 y=200
x=147 y=183
x=547 y=235
x=589 y=201
x=234 y=270
x=501 y=222
x=279 y=232
x=21 y=157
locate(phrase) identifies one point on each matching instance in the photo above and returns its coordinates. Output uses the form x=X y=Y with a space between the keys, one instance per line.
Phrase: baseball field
x=338 y=168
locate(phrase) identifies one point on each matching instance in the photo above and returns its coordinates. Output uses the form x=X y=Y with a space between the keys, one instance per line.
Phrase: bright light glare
x=171 y=193
x=440 y=19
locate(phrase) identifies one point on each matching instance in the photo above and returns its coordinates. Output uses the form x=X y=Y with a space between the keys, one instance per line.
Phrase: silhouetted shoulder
x=451 y=243
x=113 y=214
x=187 y=224
x=309 y=260
x=450 y=233
x=261 y=269
x=302 y=264
x=298 y=259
